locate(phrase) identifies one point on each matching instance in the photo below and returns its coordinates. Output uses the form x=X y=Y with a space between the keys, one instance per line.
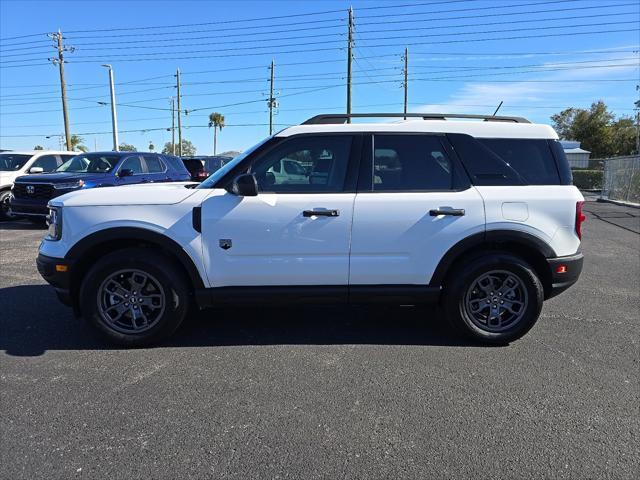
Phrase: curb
x=619 y=202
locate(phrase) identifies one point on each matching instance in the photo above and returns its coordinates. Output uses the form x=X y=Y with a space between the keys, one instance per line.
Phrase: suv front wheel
x=134 y=297
x=494 y=298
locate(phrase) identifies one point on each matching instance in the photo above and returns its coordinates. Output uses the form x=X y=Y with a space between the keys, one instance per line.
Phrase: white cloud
x=531 y=99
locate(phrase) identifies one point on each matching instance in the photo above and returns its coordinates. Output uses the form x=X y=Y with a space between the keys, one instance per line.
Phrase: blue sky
x=465 y=56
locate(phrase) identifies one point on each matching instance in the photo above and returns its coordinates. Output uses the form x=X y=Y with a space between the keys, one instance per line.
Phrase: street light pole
x=114 y=118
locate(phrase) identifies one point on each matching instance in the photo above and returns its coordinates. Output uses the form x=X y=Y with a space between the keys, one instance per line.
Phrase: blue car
x=31 y=193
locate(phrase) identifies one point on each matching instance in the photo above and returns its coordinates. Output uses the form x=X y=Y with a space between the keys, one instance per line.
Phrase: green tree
x=597 y=130
x=188 y=149
x=623 y=136
x=126 y=147
x=76 y=144
x=38 y=147
x=216 y=120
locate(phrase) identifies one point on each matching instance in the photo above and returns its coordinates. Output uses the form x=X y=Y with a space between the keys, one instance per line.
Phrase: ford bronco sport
x=476 y=213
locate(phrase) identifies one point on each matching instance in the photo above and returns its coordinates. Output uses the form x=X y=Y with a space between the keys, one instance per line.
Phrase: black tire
x=5 y=211
x=457 y=291
x=168 y=277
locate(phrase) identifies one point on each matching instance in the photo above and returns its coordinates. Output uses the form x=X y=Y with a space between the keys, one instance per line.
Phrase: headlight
x=54 y=220
x=68 y=185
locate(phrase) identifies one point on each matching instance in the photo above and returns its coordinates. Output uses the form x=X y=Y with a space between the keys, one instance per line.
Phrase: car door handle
x=321 y=213
x=455 y=212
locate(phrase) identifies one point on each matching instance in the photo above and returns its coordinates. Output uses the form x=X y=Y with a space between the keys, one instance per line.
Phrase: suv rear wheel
x=5 y=208
x=135 y=297
x=494 y=298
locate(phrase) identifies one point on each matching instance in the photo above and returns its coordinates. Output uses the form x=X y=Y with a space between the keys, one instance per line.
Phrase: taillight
x=580 y=217
x=202 y=174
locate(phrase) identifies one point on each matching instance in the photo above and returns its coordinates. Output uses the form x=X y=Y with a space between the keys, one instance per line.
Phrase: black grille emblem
x=225 y=243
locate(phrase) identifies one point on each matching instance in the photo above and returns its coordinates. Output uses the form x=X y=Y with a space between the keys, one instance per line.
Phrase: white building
x=578 y=158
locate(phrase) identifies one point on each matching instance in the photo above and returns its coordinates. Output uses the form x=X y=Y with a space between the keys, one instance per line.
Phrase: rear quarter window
x=531 y=158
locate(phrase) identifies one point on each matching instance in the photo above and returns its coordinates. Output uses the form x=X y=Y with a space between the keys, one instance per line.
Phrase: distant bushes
x=588 y=179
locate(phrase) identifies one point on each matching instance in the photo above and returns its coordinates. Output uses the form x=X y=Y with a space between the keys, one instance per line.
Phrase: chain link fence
x=622 y=179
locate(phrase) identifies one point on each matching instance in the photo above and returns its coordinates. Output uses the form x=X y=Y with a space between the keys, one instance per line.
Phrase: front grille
x=33 y=190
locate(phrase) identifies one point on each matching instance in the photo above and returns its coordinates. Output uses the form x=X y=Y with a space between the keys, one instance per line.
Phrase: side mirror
x=125 y=172
x=245 y=185
x=36 y=170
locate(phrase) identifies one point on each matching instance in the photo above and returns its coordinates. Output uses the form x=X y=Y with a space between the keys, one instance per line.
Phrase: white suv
x=477 y=213
x=16 y=164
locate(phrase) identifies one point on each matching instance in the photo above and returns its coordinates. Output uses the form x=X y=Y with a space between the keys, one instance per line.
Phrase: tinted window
x=174 y=162
x=531 y=158
x=319 y=164
x=411 y=163
x=90 y=163
x=194 y=166
x=132 y=163
x=483 y=166
x=10 y=162
x=48 y=163
x=154 y=165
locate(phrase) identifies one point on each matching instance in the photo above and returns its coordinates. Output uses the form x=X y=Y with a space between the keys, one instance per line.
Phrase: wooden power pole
x=406 y=80
x=349 y=60
x=173 y=126
x=57 y=37
x=179 y=114
x=272 y=100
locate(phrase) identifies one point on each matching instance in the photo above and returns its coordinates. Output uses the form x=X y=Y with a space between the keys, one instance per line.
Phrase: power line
x=506 y=14
x=482 y=32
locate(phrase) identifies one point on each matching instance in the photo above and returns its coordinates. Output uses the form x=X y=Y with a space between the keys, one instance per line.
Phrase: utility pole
x=114 y=118
x=406 y=80
x=349 y=60
x=57 y=37
x=173 y=126
x=272 y=100
x=179 y=115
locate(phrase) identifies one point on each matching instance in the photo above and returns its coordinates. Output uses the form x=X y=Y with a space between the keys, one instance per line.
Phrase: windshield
x=227 y=167
x=10 y=162
x=89 y=163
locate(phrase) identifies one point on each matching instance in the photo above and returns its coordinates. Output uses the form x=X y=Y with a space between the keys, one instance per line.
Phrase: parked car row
x=29 y=179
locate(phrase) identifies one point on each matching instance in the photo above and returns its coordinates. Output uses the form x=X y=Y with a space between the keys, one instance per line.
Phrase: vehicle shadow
x=21 y=225
x=33 y=322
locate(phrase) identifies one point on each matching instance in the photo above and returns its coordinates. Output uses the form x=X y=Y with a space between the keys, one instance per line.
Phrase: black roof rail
x=330 y=118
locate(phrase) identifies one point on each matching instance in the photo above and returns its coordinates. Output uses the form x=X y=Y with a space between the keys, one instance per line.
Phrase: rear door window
x=154 y=165
x=411 y=163
x=531 y=158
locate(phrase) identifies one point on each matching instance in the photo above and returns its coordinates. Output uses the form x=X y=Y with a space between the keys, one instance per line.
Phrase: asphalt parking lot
x=326 y=392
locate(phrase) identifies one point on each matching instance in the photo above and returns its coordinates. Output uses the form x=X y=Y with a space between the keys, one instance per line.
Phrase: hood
x=7 y=178
x=149 y=194
x=62 y=177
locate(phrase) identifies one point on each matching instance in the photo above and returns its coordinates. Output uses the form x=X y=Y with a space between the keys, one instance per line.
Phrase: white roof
x=480 y=129
x=37 y=152
x=575 y=150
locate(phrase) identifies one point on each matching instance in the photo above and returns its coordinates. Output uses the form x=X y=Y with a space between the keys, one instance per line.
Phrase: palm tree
x=76 y=143
x=216 y=120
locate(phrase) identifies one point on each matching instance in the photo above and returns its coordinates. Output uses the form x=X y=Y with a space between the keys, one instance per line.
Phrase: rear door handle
x=321 y=213
x=456 y=212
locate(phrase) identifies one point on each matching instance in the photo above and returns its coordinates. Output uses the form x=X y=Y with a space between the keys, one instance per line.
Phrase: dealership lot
x=320 y=392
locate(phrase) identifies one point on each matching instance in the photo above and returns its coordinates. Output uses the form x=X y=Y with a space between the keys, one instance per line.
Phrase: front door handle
x=456 y=212
x=321 y=213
